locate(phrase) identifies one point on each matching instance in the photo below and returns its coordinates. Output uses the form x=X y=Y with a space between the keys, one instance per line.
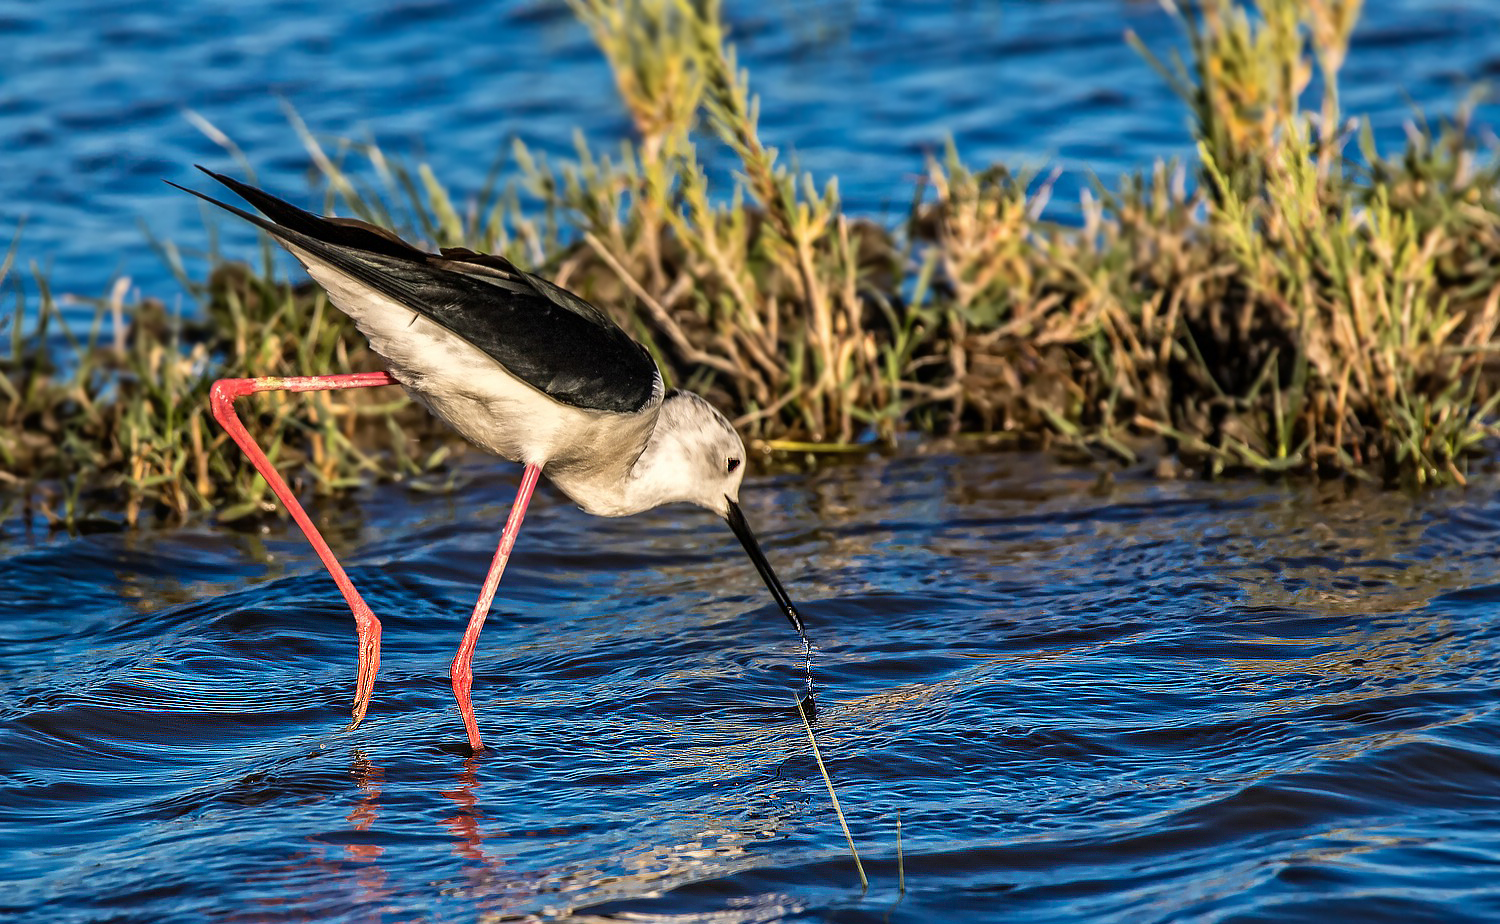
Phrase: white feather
x=610 y=464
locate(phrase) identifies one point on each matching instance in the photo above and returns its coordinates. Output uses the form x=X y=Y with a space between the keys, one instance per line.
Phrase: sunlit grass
x=1293 y=302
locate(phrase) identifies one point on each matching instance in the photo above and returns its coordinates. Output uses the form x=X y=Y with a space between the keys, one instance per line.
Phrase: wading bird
x=519 y=367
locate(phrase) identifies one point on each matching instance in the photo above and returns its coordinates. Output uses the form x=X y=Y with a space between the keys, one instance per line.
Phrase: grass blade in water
x=859 y=867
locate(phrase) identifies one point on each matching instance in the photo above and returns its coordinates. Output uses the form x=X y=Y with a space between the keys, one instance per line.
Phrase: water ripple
x=1168 y=701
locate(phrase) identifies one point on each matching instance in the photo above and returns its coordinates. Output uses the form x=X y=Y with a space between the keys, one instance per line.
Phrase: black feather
x=544 y=335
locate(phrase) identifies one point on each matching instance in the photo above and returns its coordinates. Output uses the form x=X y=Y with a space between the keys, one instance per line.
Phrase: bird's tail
x=297 y=226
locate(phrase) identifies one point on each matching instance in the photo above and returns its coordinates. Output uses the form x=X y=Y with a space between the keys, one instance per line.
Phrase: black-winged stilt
x=519 y=367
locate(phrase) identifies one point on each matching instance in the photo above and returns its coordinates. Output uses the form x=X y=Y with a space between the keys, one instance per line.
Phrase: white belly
x=586 y=453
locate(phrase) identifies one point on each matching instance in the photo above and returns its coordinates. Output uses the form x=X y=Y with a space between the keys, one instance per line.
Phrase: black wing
x=545 y=336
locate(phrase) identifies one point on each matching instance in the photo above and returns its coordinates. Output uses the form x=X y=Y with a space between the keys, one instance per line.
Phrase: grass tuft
x=1295 y=301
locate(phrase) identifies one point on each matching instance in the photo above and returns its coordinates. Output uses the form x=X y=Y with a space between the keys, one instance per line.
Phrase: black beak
x=736 y=519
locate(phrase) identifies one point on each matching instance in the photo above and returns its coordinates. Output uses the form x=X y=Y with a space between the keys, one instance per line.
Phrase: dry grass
x=1294 y=302
x=125 y=429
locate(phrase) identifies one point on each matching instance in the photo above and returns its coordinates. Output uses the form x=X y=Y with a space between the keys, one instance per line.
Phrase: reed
x=123 y=432
x=900 y=859
x=1295 y=301
x=833 y=797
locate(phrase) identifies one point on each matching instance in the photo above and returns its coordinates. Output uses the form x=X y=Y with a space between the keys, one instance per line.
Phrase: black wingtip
x=287 y=220
x=227 y=181
x=244 y=190
x=251 y=217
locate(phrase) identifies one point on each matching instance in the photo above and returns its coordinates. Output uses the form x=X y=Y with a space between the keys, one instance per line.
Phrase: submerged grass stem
x=864 y=883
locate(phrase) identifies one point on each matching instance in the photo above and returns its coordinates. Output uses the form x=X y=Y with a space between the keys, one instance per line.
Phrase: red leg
x=221 y=398
x=462 y=673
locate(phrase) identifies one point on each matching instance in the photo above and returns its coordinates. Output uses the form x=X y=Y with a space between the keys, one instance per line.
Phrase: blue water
x=93 y=94
x=1138 y=700
x=1146 y=702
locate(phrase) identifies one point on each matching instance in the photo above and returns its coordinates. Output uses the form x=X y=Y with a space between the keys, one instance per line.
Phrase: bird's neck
x=659 y=475
x=611 y=485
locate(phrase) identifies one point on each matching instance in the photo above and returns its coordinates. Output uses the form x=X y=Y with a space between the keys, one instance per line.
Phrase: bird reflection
x=464 y=825
x=353 y=871
x=493 y=886
x=315 y=879
x=369 y=778
x=370 y=877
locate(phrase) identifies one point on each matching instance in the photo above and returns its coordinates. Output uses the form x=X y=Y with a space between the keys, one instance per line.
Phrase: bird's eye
x=731 y=465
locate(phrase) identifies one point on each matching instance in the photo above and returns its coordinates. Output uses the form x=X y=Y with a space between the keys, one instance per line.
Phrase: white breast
x=586 y=453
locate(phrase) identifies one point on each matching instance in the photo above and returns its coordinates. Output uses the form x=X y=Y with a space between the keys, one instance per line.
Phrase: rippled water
x=1130 y=701
x=1133 y=701
x=92 y=96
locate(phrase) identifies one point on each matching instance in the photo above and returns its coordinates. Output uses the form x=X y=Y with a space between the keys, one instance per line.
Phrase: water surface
x=1134 y=701
x=1140 y=701
x=93 y=95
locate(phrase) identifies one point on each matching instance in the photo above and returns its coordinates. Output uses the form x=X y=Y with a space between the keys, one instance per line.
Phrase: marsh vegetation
x=1292 y=301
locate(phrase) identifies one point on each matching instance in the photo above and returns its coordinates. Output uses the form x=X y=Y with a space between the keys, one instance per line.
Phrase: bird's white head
x=694 y=455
